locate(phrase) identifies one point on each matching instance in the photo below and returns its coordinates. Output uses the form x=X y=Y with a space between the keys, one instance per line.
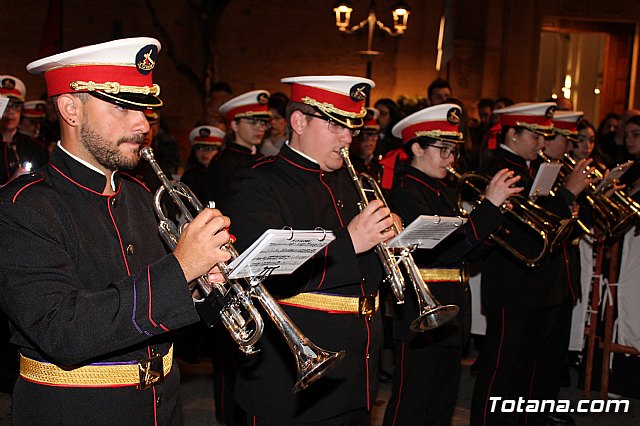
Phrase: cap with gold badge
x=439 y=122
x=253 y=104
x=34 y=110
x=119 y=72
x=206 y=135
x=12 y=87
x=338 y=97
x=566 y=123
x=534 y=116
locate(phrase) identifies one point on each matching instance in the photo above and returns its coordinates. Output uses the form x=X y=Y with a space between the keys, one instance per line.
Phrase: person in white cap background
x=304 y=187
x=526 y=307
x=248 y=118
x=363 y=146
x=20 y=153
x=32 y=117
x=206 y=142
x=427 y=372
x=87 y=284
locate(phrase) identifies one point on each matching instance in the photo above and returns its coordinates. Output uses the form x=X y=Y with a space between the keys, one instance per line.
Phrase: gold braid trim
x=114 y=87
x=327 y=302
x=253 y=113
x=545 y=130
x=88 y=375
x=438 y=134
x=444 y=275
x=329 y=108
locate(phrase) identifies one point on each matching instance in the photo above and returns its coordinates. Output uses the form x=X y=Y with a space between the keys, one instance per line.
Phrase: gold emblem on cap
x=114 y=87
x=329 y=108
x=147 y=64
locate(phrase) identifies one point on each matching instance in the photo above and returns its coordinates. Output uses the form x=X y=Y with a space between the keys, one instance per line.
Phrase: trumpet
x=550 y=228
x=614 y=215
x=431 y=313
x=238 y=314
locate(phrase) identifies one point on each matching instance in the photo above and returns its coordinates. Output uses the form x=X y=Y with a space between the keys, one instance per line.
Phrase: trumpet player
x=87 y=284
x=425 y=383
x=526 y=307
x=333 y=298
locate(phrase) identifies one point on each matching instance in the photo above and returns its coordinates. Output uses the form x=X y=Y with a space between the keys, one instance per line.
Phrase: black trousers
x=425 y=384
x=523 y=355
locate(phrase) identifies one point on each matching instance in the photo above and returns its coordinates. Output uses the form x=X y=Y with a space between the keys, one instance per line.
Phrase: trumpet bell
x=434 y=318
x=315 y=367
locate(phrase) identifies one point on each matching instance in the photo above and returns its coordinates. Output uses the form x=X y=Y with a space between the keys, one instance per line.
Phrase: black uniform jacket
x=373 y=168
x=418 y=194
x=506 y=281
x=21 y=149
x=197 y=179
x=222 y=168
x=86 y=279
x=290 y=190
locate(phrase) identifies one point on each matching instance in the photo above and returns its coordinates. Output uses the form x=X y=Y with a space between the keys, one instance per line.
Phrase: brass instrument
x=550 y=228
x=613 y=215
x=431 y=313
x=239 y=312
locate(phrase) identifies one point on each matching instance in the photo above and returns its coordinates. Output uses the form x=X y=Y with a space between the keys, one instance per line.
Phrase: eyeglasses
x=257 y=124
x=206 y=148
x=446 y=151
x=335 y=127
x=15 y=105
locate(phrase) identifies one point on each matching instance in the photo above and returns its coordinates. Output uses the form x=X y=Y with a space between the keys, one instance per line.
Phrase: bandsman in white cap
x=87 y=284
x=248 y=118
x=332 y=298
x=20 y=152
x=363 y=146
x=32 y=117
x=427 y=371
x=528 y=309
x=206 y=142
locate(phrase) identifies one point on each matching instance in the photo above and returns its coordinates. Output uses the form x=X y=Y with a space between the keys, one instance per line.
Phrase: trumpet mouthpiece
x=146 y=153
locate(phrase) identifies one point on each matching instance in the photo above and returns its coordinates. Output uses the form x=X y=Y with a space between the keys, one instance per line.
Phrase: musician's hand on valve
x=580 y=177
x=371 y=226
x=199 y=248
x=501 y=187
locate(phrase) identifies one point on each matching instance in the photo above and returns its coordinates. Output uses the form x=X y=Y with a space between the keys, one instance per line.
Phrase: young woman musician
x=427 y=371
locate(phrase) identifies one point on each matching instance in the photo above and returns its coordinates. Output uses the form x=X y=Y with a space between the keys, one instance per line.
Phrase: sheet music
x=614 y=175
x=4 y=101
x=426 y=231
x=279 y=252
x=545 y=178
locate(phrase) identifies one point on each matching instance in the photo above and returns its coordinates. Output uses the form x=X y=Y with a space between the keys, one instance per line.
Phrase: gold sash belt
x=444 y=275
x=363 y=305
x=143 y=374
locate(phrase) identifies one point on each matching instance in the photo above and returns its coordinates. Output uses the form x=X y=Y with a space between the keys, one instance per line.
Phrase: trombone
x=550 y=228
x=431 y=313
x=238 y=311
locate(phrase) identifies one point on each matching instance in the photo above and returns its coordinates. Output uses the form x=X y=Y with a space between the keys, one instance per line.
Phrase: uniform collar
x=418 y=175
x=515 y=156
x=242 y=149
x=80 y=172
x=297 y=158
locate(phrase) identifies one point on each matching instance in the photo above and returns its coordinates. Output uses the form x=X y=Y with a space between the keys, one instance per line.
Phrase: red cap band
x=566 y=125
x=59 y=79
x=444 y=126
x=254 y=108
x=340 y=101
x=513 y=120
x=207 y=139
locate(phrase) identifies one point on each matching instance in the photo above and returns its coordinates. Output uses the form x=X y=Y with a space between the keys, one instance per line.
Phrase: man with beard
x=87 y=285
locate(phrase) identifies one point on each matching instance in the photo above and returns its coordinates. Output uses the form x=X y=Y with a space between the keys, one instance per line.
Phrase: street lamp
x=400 y=12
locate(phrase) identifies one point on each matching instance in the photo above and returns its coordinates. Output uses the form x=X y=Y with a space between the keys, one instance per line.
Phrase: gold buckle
x=367 y=306
x=150 y=371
